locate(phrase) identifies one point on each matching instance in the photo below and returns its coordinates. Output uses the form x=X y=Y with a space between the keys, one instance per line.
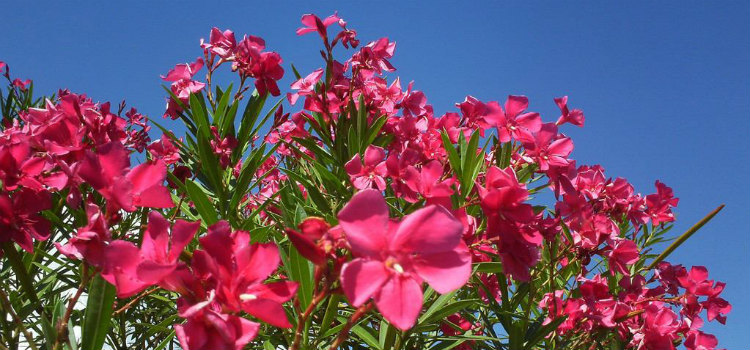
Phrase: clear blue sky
x=665 y=86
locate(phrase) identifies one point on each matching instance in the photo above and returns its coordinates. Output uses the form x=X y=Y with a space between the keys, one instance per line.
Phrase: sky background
x=665 y=86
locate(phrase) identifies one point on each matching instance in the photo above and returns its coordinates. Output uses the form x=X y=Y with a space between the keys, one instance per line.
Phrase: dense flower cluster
x=429 y=205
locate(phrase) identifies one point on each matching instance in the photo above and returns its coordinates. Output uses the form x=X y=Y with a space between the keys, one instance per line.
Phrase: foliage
x=362 y=220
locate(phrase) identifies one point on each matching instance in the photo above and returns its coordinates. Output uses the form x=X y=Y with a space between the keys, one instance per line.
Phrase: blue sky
x=665 y=86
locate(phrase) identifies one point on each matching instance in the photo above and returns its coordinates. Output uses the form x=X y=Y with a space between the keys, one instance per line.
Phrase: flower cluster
x=360 y=211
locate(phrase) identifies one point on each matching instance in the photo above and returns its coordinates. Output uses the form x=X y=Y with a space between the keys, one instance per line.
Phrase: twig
x=132 y=302
x=62 y=326
x=344 y=334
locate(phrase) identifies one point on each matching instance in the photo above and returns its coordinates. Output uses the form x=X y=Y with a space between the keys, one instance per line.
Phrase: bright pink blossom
x=313 y=23
x=372 y=173
x=108 y=171
x=624 y=252
x=548 y=148
x=393 y=258
x=513 y=123
x=237 y=270
x=182 y=86
x=161 y=246
x=220 y=43
x=574 y=116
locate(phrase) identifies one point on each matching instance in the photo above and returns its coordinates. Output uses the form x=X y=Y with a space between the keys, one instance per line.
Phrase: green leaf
x=366 y=336
x=98 y=312
x=220 y=115
x=200 y=115
x=453 y=157
x=206 y=210
x=543 y=331
x=300 y=270
x=684 y=237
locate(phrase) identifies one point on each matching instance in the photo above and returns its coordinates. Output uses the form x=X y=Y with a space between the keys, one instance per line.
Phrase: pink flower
x=161 y=246
x=165 y=150
x=211 y=330
x=20 y=220
x=427 y=182
x=121 y=262
x=373 y=171
x=548 y=148
x=223 y=147
x=393 y=258
x=183 y=71
x=266 y=71
x=220 y=43
x=21 y=84
x=504 y=196
x=624 y=252
x=91 y=240
x=660 y=204
x=698 y=340
x=313 y=23
x=305 y=86
x=182 y=86
x=237 y=270
x=574 y=117
x=511 y=123
x=312 y=242
x=108 y=171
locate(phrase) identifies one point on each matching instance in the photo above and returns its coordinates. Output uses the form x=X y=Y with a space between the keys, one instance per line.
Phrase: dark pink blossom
x=20 y=220
x=623 y=252
x=211 y=330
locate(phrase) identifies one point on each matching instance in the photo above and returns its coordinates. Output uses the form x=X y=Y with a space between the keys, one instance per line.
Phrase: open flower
x=20 y=219
x=372 y=173
x=394 y=258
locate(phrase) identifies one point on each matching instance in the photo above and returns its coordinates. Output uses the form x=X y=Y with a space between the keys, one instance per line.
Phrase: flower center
x=248 y=297
x=393 y=264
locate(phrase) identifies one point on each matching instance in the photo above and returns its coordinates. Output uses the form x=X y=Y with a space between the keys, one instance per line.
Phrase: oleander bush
x=346 y=214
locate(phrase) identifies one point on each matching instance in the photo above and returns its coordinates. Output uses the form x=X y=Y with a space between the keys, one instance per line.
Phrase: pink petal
x=267 y=303
x=374 y=155
x=182 y=233
x=431 y=172
x=365 y=222
x=530 y=121
x=515 y=105
x=445 y=271
x=148 y=185
x=400 y=301
x=156 y=238
x=306 y=247
x=432 y=229
x=257 y=261
x=562 y=147
x=120 y=268
x=361 y=278
x=354 y=166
